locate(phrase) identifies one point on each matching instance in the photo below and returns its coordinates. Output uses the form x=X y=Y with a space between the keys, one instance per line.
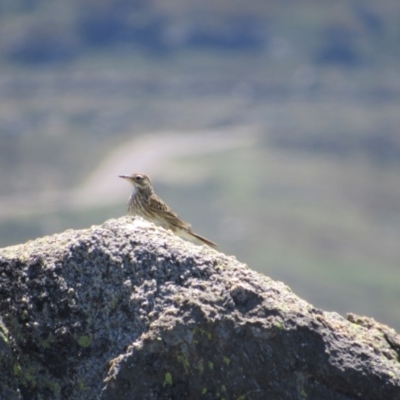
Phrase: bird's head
x=140 y=181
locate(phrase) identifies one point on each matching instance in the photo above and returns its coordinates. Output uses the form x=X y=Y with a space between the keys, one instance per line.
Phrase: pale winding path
x=153 y=154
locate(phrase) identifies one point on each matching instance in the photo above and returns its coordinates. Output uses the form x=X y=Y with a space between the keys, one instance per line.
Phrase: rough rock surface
x=126 y=310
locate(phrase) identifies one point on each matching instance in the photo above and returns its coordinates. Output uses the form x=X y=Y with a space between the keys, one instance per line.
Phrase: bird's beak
x=124 y=176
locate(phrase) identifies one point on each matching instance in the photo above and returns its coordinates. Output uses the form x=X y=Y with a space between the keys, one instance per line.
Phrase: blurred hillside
x=271 y=126
x=346 y=33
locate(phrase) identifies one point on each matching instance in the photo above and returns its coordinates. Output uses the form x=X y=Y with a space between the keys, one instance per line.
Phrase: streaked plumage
x=145 y=203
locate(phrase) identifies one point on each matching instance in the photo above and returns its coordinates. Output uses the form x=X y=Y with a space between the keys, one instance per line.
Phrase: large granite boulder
x=126 y=310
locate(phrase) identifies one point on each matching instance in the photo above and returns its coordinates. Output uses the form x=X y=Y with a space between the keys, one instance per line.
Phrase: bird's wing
x=159 y=207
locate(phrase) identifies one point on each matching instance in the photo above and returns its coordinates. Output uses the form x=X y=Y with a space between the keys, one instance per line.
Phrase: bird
x=146 y=204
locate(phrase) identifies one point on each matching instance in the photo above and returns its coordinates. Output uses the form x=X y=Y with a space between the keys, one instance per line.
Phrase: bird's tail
x=188 y=234
x=203 y=240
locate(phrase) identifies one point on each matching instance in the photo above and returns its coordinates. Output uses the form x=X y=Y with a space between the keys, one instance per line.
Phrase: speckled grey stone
x=126 y=310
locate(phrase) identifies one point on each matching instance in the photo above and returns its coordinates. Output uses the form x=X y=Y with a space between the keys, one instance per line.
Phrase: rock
x=126 y=310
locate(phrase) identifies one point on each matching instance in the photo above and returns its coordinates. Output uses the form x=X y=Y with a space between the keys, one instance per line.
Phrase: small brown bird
x=145 y=203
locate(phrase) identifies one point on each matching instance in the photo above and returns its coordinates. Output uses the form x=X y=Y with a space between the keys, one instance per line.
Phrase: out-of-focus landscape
x=272 y=126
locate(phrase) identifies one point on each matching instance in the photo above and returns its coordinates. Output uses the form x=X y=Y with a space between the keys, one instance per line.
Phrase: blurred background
x=272 y=126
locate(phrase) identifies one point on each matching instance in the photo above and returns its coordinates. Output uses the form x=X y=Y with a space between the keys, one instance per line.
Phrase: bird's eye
x=139 y=178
